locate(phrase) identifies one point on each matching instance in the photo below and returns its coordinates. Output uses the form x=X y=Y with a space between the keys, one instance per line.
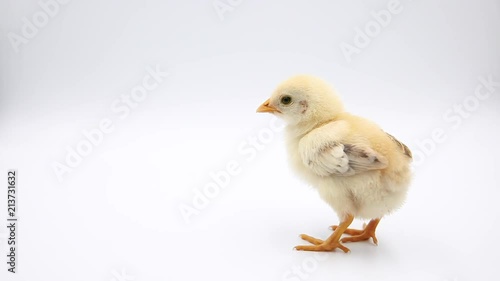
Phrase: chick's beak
x=267 y=107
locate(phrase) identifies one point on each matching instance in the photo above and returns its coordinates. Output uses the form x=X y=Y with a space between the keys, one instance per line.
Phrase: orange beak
x=265 y=107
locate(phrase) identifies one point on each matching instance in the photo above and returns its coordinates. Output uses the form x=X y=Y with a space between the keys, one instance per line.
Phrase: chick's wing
x=340 y=159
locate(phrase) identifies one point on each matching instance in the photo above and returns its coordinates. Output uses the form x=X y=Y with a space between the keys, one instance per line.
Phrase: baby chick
x=358 y=169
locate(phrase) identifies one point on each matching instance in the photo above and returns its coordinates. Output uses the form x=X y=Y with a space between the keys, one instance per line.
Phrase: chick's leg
x=329 y=244
x=361 y=235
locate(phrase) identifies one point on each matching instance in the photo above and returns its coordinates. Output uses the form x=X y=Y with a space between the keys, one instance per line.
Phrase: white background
x=118 y=211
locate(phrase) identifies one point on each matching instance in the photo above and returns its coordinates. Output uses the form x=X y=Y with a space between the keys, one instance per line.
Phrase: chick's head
x=303 y=99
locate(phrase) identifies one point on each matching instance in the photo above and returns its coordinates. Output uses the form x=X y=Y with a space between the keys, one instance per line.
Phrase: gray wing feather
x=345 y=160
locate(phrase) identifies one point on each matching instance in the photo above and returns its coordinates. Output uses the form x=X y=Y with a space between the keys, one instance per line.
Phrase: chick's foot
x=330 y=244
x=361 y=234
x=320 y=245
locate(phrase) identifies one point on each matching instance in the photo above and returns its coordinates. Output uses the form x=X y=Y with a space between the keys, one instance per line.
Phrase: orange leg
x=361 y=235
x=329 y=244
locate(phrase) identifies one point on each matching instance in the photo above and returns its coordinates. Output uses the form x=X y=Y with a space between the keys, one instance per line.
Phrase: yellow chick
x=357 y=168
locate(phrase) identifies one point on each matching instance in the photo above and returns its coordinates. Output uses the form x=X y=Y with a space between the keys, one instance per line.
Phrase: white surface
x=119 y=209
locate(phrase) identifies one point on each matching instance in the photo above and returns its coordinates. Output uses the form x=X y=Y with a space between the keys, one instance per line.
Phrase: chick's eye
x=286 y=100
